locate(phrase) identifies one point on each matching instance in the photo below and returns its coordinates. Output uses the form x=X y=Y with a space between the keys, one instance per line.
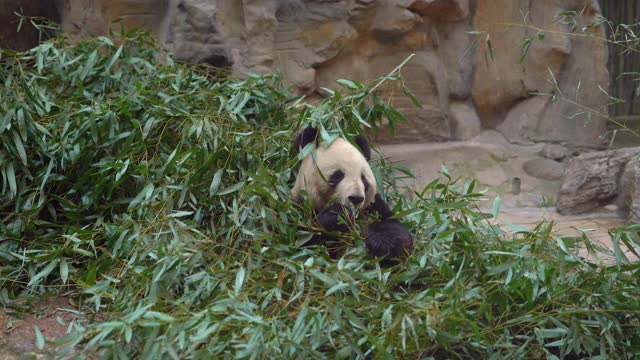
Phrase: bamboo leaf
x=496 y=207
x=20 y=149
x=113 y=59
x=239 y=281
x=43 y=273
x=39 y=338
x=64 y=270
x=230 y=189
x=88 y=66
x=215 y=182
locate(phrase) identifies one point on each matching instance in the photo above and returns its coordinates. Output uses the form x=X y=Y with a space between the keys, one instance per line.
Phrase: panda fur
x=338 y=182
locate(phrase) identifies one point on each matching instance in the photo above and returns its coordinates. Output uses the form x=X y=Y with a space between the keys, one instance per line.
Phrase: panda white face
x=341 y=174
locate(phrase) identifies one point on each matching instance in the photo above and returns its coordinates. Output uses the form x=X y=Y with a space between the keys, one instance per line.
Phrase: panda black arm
x=387 y=237
x=380 y=209
x=329 y=218
x=329 y=221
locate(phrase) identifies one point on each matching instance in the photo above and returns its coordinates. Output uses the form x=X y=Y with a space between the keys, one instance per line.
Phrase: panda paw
x=380 y=209
x=334 y=218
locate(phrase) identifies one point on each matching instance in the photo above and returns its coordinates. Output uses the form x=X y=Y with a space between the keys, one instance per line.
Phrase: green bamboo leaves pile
x=156 y=195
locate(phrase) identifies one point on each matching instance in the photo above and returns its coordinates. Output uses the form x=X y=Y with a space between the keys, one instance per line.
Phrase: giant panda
x=338 y=182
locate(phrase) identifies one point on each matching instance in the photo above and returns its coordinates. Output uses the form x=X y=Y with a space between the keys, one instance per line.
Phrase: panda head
x=340 y=173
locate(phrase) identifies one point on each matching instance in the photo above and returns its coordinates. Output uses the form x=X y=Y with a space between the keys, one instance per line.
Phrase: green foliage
x=156 y=195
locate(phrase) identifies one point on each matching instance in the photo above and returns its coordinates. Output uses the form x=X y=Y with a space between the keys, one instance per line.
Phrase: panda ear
x=363 y=144
x=307 y=135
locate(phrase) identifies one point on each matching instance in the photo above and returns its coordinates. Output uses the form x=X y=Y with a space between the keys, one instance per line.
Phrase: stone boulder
x=444 y=10
x=555 y=152
x=465 y=121
x=84 y=18
x=427 y=80
x=592 y=180
x=521 y=120
x=95 y=17
x=454 y=47
x=394 y=19
x=628 y=200
x=546 y=169
x=554 y=58
x=195 y=34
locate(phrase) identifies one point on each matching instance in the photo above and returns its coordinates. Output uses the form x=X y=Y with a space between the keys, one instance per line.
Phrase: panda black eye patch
x=336 y=177
x=365 y=183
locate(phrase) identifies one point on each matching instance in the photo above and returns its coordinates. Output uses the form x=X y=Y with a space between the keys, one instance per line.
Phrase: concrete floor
x=494 y=163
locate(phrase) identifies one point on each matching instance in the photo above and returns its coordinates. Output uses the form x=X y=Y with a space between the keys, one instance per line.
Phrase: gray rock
x=591 y=180
x=394 y=20
x=503 y=80
x=447 y=10
x=544 y=169
x=455 y=40
x=555 y=152
x=628 y=200
x=521 y=120
x=465 y=121
x=196 y=35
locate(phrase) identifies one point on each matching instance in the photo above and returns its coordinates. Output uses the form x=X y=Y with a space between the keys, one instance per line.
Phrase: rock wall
x=462 y=87
x=557 y=63
x=28 y=36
